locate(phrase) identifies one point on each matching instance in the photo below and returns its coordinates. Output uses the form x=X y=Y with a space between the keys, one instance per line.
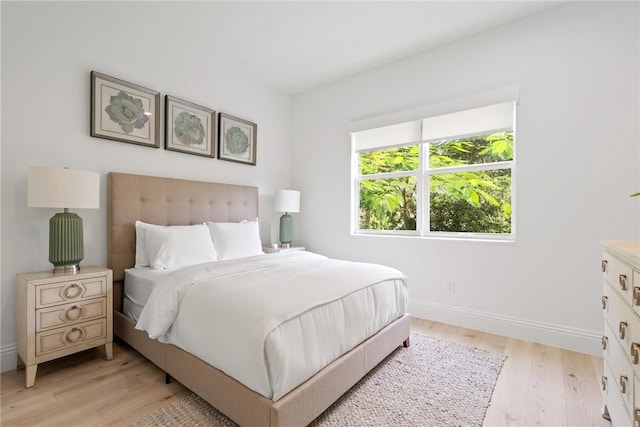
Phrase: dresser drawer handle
x=604 y=383
x=605 y=341
x=73 y=335
x=73 y=290
x=623 y=384
x=635 y=353
x=636 y=418
x=623 y=282
x=636 y=296
x=73 y=313
x=604 y=302
x=622 y=330
x=604 y=265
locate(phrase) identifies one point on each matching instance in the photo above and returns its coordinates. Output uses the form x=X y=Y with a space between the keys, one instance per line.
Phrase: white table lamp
x=287 y=201
x=65 y=189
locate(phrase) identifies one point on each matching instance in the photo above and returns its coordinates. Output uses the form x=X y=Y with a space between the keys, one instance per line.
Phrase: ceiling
x=294 y=46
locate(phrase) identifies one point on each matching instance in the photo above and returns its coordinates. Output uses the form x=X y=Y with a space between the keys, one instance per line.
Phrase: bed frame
x=169 y=201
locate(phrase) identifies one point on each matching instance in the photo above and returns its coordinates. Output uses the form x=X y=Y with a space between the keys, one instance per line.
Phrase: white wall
x=577 y=162
x=48 y=51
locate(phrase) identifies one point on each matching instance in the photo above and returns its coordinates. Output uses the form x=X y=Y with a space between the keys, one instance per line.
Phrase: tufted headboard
x=166 y=201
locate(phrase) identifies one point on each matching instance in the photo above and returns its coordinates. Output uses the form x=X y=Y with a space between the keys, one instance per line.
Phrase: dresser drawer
x=623 y=322
x=71 y=336
x=70 y=291
x=622 y=378
x=612 y=399
x=71 y=313
x=619 y=276
x=635 y=291
x=636 y=403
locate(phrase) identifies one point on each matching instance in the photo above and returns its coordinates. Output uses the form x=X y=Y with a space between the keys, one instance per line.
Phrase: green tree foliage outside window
x=389 y=203
x=468 y=200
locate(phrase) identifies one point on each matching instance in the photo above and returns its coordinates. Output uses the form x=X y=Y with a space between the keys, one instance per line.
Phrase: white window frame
x=424 y=173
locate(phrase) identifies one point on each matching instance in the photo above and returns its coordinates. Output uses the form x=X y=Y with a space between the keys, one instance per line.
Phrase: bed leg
x=406 y=343
x=167 y=378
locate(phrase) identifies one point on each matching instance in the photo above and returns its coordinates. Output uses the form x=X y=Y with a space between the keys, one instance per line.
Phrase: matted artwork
x=237 y=140
x=189 y=128
x=123 y=111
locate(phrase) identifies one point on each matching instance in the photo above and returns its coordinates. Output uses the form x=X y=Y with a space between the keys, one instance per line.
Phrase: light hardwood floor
x=538 y=386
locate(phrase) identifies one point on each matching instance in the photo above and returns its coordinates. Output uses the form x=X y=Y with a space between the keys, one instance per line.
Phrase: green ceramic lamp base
x=286 y=230
x=66 y=242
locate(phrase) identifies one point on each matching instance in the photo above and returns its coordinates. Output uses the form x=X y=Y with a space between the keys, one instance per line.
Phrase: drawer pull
x=604 y=383
x=605 y=341
x=622 y=330
x=635 y=353
x=636 y=296
x=604 y=302
x=73 y=290
x=636 y=418
x=623 y=282
x=604 y=265
x=623 y=384
x=73 y=313
x=73 y=335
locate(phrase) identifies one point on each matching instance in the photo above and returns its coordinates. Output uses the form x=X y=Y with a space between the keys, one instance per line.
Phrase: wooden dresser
x=621 y=337
x=58 y=314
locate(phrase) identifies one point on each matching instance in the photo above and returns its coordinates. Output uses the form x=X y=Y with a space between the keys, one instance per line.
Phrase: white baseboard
x=8 y=358
x=579 y=340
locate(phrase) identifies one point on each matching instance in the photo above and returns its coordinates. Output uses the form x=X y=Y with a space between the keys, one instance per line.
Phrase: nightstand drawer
x=71 y=336
x=68 y=314
x=69 y=291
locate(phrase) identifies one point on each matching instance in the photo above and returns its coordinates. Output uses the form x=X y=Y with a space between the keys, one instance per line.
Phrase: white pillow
x=178 y=246
x=236 y=239
x=142 y=254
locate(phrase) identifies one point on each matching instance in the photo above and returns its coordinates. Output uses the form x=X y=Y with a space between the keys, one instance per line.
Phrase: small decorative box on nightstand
x=272 y=250
x=58 y=314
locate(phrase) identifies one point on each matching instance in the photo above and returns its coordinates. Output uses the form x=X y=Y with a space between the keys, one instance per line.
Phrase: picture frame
x=189 y=128
x=123 y=111
x=237 y=139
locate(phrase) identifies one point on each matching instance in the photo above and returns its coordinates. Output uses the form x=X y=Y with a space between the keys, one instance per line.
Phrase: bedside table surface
x=91 y=270
x=272 y=250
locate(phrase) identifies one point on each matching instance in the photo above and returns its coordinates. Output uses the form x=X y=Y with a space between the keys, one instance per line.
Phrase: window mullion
x=387 y=175
x=473 y=168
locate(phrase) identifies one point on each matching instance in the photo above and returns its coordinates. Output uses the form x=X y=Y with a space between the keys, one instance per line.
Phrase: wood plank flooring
x=538 y=386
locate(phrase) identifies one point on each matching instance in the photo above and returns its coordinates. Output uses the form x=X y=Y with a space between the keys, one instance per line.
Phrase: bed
x=168 y=201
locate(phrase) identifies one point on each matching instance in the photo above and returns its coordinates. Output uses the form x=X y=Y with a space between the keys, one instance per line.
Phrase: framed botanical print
x=123 y=111
x=189 y=128
x=237 y=139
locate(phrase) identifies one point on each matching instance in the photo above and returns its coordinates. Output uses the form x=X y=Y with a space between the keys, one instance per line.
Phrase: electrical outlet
x=451 y=287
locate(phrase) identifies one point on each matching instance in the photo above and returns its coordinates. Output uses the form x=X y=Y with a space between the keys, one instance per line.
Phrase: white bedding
x=138 y=283
x=272 y=321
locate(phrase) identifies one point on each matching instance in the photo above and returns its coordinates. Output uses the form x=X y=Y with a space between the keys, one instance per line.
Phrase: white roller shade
x=477 y=121
x=399 y=134
x=456 y=117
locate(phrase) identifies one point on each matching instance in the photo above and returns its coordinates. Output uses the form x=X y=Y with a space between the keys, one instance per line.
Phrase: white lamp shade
x=63 y=188
x=287 y=201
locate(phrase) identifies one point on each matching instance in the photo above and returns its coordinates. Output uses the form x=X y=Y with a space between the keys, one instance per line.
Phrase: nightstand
x=58 y=314
x=271 y=250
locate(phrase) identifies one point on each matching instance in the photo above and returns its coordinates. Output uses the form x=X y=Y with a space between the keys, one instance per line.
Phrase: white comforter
x=272 y=321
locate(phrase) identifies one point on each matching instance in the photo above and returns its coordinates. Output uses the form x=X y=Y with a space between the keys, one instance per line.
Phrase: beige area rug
x=431 y=383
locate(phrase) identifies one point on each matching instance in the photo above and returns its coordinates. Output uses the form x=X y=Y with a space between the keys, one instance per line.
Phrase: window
x=448 y=175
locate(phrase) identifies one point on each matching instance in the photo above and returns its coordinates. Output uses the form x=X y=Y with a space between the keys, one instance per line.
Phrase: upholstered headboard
x=166 y=201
